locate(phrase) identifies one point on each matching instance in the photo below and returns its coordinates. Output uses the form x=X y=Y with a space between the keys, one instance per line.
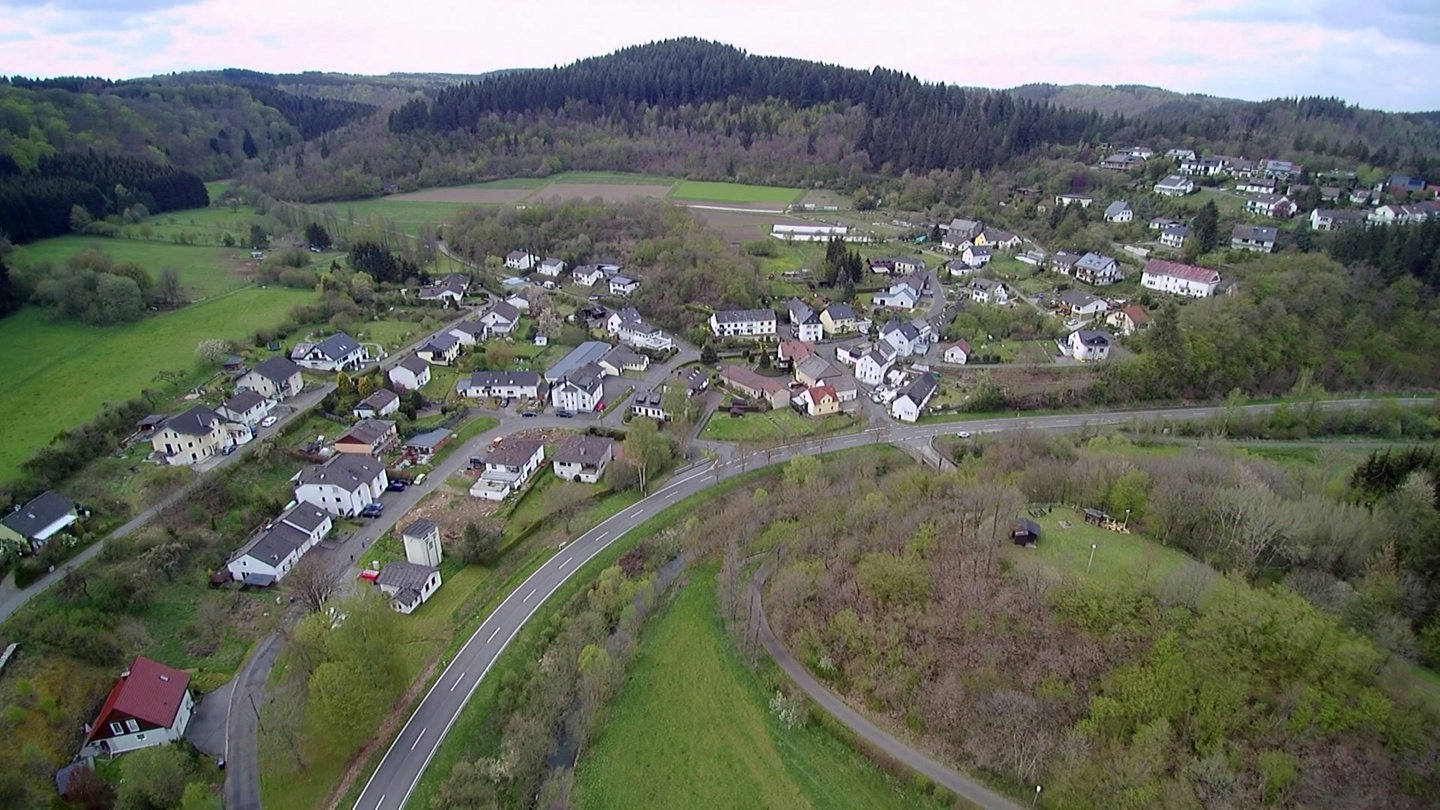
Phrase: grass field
x=705 y=191
x=205 y=271
x=781 y=423
x=692 y=729
x=610 y=179
x=409 y=215
x=1119 y=558
x=58 y=374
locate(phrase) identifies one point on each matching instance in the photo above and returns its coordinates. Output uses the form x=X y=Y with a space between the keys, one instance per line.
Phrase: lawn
x=705 y=191
x=205 y=271
x=691 y=729
x=1119 y=558
x=408 y=215
x=781 y=423
x=60 y=373
x=610 y=179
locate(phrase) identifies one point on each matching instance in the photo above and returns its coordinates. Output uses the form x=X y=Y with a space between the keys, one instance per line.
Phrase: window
x=132 y=726
x=117 y=729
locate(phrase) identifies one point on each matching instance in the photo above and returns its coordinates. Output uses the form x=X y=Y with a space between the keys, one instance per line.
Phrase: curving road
x=405 y=761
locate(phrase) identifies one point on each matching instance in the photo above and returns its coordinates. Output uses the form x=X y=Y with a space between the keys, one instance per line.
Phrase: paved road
x=404 y=763
x=954 y=781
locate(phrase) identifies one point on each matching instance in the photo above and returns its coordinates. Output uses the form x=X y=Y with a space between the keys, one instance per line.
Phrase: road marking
x=602 y=535
x=418 y=736
x=382 y=801
x=566 y=562
x=493 y=635
x=530 y=594
x=673 y=493
x=457 y=682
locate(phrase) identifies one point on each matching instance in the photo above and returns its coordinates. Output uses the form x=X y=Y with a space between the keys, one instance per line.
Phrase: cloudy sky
x=1379 y=53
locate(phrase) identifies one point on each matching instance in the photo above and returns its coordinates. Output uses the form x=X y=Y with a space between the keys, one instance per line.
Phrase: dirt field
x=470 y=196
x=617 y=192
x=739 y=227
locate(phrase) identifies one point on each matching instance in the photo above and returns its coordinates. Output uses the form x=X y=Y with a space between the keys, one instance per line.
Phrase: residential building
x=1129 y=319
x=814 y=370
x=819 y=400
x=577 y=358
x=1253 y=238
x=342 y=486
x=632 y=330
x=989 y=291
x=507 y=467
x=805 y=320
x=911 y=402
x=42 y=517
x=339 y=352
x=191 y=437
x=1119 y=211
x=520 y=260
x=621 y=285
x=1122 y=162
x=959 y=268
x=1328 y=219
x=966 y=229
x=410 y=374
x=368 y=437
x=149 y=705
x=588 y=275
x=1281 y=170
x=901 y=295
x=743 y=323
x=551 y=267
x=1082 y=200
x=1178 y=278
x=381 y=403
x=580 y=391
x=1257 y=185
x=1277 y=206
x=1161 y=223
x=408 y=585
x=908 y=264
x=247 y=407
x=502 y=384
x=449 y=290
x=620 y=359
x=774 y=390
x=695 y=379
x=1174 y=236
x=1175 y=186
x=1180 y=155
x=840 y=319
x=423 y=445
x=871 y=366
x=583 y=458
x=958 y=353
x=276 y=549
x=441 y=349
x=976 y=256
x=1097 y=269
x=650 y=403
x=1204 y=166
x=997 y=239
x=500 y=319
x=1088 y=344
x=1063 y=263
x=1401 y=214
x=788 y=352
x=470 y=332
x=277 y=378
x=519 y=302
x=1082 y=304
x=904 y=338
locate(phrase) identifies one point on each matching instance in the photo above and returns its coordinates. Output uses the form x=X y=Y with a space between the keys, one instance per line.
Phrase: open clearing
x=691 y=729
x=740 y=227
x=59 y=373
x=705 y=191
x=204 y=271
x=609 y=192
x=469 y=195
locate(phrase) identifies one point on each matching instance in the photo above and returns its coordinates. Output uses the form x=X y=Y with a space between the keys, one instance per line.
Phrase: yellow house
x=821 y=400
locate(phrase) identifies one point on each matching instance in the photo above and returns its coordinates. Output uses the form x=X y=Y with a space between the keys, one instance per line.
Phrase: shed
x=1096 y=517
x=1026 y=532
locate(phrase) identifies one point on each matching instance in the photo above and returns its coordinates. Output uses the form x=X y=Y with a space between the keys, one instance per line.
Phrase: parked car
x=563 y=414
x=964 y=434
x=268 y=421
x=527 y=413
x=396 y=486
x=372 y=509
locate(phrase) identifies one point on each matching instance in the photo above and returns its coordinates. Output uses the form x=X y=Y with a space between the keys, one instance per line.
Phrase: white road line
x=602 y=535
x=382 y=801
x=493 y=635
x=417 y=737
x=530 y=594
x=673 y=493
x=457 y=682
x=566 y=562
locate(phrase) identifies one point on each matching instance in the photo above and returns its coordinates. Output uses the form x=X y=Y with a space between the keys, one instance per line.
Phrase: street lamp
x=1093 y=546
x=1127 y=518
x=1035 y=801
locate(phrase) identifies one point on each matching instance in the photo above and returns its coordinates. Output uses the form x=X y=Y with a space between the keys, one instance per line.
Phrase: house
x=1253 y=238
x=1142 y=152
x=410 y=374
x=577 y=358
x=501 y=319
x=246 y=407
x=1087 y=344
x=448 y=290
x=1180 y=155
x=959 y=268
x=1178 y=278
x=814 y=370
x=1025 y=533
x=819 y=400
x=1360 y=196
x=908 y=405
x=1097 y=268
x=470 y=332
x=809 y=233
x=1257 y=185
x=884 y=265
x=904 y=338
x=1175 y=185
x=1122 y=162
x=1277 y=206
x=1204 y=166
x=954 y=241
x=976 y=256
x=339 y=352
x=632 y=330
x=381 y=403
x=840 y=319
x=805 y=320
x=1161 y=223
x=507 y=468
x=42 y=517
x=520 y=260
x=423 y=445
x=502 y=384
x=551 y=267
x=149 y=705
x=1281 y=170
x=696 y=380
x=621 y=285
x=1119 y=211
x=989 y=291
x=958 y=353
x=1331 y=194
x=1328 y=219
x=1082 y=200
x=583 y=458
x=1399 y=214
x=774 y=390
x=1399 y=185
x=743 y=323
x=191 y=437
x=871 y=366
x=588 y=275
x=519 y=302
x=1082 y=304
x=901 y=295
x=650 y=403
x=908 y=264
x=788 y=352
x=368 y=437
x=621 y=359
x=1064 y=263
x=580 y=391
x=1174 y=236
x=965 y=229
x=408 y=585
x=1129 y=319
x=277 y=548
x=441 y=349
x=1240 y=167
x=997 y=239
x=277 y=378
x=342 y=486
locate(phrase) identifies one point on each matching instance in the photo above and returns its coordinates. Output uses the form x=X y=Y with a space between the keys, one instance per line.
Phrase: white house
x=1174 y=236
x=621 y=285
x=191 y=437
x=989 y=291
x=904 y=338
x=520 y=260
x=620 y=359
x=149 y=705
x=1097 y=269
x=501 y=319
x=247 y=407
x=451 y=289
x=1082 y=304
x=502 y=384
x=551 y=267
x=1181 y=279
x=277 y=378
x=276 y=549
x=870 y=368
x=629 y=328
x=39 y=519
x=469 y=332
x=583 y=458
x=901 y=295
x=381 y=403
x=958 y=354
x=908 y=405
x=588 y=275
x=580 y=391
x=507 y=468
x=339 y=352
x=342 y=486
x=1175 y=186
x=1119 y=211
x=408 y=585
x=805 y=320
x=809 y=233
x=976 y=256
x=744 y=323
x=1088 y=344
x=1323 y=219
x=1277 y=206
x=1082 y=200
x=410 y=374
x=1254 y=238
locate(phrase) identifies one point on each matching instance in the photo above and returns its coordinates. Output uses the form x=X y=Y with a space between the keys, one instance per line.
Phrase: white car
x=964 y=434
x=268 y=421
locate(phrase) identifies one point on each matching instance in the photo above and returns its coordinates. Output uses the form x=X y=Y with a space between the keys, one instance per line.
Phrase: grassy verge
x=692 y=729
x=781 y=423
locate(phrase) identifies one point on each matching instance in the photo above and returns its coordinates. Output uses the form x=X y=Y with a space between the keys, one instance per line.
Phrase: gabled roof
x=413 y=363
x=1093 y=337
x=506 y=310
x=404 y=575
x=367 y=431
x=998 y=235
x=743 y=315
x=430 y=439
x=906 y=330
x=582 y=449
x=1077 y=299
x=379 y=401
x=1188 y=272
x=148 y=691
x=244 y=400
x=841 y=312
x=513 y=452
x=962 y=345
x=794 y=350
x=1136 y=313
x=622 y=356
x=337 y=346
x=198 y=421
x=38 y=514
x=588 y=378
x=921 y=389
x=346 y=470
x=1094 y=261
x=440 y=343
x=816 y=367
x=801 y=311
x=1253 y=233
x=305 y=516
x=1117 y=207
x=277 y=369
x=492 y=379
x=819 y=392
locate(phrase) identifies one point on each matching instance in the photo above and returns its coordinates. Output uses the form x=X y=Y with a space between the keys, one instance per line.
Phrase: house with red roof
x=150 y=705
x=1178 y=278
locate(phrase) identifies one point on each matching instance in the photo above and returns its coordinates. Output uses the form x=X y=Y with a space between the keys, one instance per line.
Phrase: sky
x=1376 y=53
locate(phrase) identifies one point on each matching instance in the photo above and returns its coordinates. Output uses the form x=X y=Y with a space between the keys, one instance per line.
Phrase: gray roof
x=513 y=452
x=368 y=431
x=1094 y=337
x=580 y=356
x=244 y=400
x=581 y=449
x=429 y=439
x=420 y=528
x=621 y=356
x=37 y=514
x=841 y=312
x=743 y=315
x=1255 y=233
x=1176 y=230
x=978 y=250
x=305 y=516
x=379 y=400
x=816 y=367
x=908 y=330
x=337 y=346
x=799 y=310
x=516 y=254
x=1077 y=298
x=440 y=343
x=471 y=327
x=1117 y=207
x=1094 y=261
x=195 y=422
x=403 y=575
x=506 y=310
x=413 y=363
x=274 y=545
x=589 y=378
x=921 y=389
x=492 y=379
x=277 y=369
x=348 y=470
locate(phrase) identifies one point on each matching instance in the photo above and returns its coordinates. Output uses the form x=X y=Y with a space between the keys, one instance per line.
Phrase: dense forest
x=68 y=192
x=1157 y=683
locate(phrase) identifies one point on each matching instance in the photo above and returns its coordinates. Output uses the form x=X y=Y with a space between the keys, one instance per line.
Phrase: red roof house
x=150 y=705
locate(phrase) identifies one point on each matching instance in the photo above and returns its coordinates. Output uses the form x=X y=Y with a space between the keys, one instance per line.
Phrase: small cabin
x=1025 y=533
x=1096 y=518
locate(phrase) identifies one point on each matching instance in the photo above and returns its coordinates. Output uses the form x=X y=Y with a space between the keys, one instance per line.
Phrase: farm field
x=204 y=271
x=691 y=729
x=60 y=373
x=707 y=191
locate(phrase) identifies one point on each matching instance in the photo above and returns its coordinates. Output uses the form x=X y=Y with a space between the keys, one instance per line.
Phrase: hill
x=1130 y=100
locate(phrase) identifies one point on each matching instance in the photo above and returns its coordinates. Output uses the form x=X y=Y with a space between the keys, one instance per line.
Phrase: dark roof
x=277 y=369
x=430 y=439
x=576 y=360
x=506 y=310
x=840 y=311
x=402 y=575
x=244 y=400
x=647 y=399
x=347 y=470
x=513 y=452
x=1077 y=298
x=621 y=356
x=337 y=346
x=149 y=691
x=36 y=515
x=275 y=545
x=367 y=431
x=908 y=330
x=743 y=315
x=195 y=422
x=440 y=343
x=921 y=389
x=470 y=327
x=413 y=363
x=589 y=378
x=490 y=379
x=1093 y=337
x=420 y=528
x=582 y=449
x=305 y=516
x=379 y=400
x=1026 y=526
x=1254 y=233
